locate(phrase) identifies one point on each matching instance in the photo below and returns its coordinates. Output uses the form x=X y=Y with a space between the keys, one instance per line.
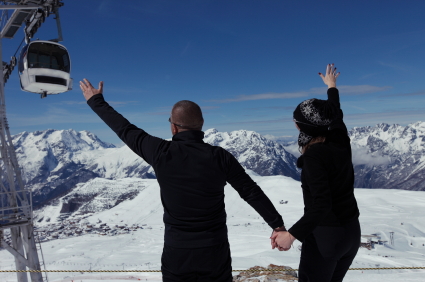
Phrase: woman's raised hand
x=330 y=77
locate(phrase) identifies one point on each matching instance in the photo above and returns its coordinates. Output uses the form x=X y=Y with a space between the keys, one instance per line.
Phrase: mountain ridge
x=53 y=162
x=389 y=156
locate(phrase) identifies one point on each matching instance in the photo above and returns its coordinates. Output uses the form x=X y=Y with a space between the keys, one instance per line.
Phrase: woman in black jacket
x=329 y=229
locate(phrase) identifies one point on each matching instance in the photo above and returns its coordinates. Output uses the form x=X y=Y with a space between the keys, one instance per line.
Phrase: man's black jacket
x=191 y=175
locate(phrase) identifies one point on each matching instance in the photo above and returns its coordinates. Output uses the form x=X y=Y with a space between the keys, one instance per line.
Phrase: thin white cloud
x=209 y=107
x=397 y=67
x=369 y=75
x=361 y=156
x=294 y=149
x=183 y=52
x=166 y=111
x=54 y=116
x=390 y=117
x=356 y=107
x=159 y=113
x=110 y=92
x=280 y=120
x=58 y=115
x=362 y=89
x=263 y=96
x=417 y=93
x=71 y=103
x=120 y=103
x=104 y=7
x=345 y=89
x=353 y=89
x=112 y=103
x=362 y=119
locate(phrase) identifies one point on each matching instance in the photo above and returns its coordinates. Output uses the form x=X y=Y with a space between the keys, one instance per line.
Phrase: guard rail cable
x=244 y=270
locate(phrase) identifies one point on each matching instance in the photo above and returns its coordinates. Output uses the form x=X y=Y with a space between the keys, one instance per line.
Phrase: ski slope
x=382 y=211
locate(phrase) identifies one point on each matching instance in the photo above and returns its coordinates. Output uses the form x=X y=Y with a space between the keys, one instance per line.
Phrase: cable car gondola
x=44 y=68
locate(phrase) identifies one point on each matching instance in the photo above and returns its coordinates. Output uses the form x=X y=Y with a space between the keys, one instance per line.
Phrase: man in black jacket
x=191 y=175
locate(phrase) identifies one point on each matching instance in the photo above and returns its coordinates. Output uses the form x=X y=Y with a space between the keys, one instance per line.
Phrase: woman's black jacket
x=327 y=179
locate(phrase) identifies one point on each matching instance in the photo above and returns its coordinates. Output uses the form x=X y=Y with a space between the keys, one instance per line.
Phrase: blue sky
x=248 y=64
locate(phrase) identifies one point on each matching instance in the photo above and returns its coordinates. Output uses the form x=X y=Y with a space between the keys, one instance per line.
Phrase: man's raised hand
x=88 y=89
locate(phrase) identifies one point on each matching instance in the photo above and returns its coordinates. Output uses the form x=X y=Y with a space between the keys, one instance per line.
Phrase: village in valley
x=78 y=226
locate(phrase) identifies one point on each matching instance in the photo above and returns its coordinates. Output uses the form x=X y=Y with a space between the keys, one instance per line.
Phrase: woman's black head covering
x=313 y=117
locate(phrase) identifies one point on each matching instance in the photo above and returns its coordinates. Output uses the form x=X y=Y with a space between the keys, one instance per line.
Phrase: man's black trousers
x=209 y=264
x=328 y=252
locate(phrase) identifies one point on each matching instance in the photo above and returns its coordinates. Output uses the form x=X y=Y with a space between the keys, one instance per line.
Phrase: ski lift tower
x=15 y=200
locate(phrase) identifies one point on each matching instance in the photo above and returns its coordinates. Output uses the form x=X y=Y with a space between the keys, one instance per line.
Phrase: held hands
x=331 y=76
x=88 y=89
x=282 y=240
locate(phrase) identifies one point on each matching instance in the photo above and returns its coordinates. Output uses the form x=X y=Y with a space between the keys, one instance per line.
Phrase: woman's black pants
x=328 y=252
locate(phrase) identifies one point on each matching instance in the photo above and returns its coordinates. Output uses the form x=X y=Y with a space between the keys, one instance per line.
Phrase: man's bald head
x=187 y=114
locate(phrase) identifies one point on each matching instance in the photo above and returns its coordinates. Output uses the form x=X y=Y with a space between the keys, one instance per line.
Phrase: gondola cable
x=8 y=68
x=23 y=39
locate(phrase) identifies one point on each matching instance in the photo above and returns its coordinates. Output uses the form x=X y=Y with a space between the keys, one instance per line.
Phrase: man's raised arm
x=143 y=144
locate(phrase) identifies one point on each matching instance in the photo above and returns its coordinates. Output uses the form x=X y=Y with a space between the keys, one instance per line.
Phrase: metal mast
x=15 y=200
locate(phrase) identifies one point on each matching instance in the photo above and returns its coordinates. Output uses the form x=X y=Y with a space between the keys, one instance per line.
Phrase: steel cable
x=245 y=270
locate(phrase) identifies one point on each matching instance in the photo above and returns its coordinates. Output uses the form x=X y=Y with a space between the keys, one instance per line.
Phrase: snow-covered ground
x=382 y=211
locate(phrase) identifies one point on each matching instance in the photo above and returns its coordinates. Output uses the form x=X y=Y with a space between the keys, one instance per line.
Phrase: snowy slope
x=382 y=211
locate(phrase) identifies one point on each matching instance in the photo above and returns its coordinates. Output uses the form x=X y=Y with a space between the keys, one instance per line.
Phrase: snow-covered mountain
x=255 y=152
x=384 y=156
x=389 y=156
x=54 y=161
